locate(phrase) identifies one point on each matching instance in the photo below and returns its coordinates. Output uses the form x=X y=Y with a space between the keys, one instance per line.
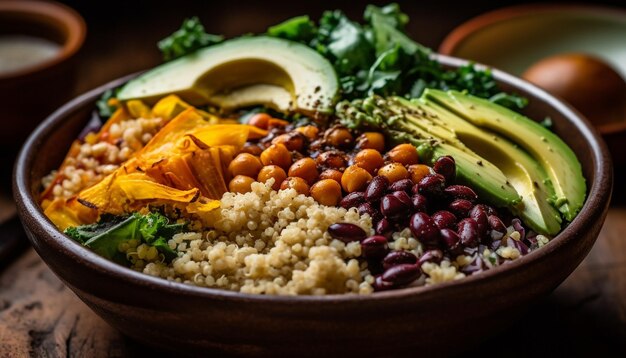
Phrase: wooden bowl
x=439 y=319
x=514 y=38
x=30 y=94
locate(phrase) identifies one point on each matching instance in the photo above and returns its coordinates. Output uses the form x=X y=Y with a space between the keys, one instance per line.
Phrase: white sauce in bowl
x=18 y=52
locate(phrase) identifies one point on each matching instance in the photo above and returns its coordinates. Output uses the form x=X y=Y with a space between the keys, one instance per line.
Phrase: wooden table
x=39 y=316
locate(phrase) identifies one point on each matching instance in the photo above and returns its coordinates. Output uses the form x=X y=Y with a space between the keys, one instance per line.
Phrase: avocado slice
x=245 y=71
x=563 y=169
x=521 y=170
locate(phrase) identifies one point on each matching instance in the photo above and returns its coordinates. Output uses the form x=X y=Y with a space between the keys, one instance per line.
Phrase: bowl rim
x=598 y=196
x=62 y=16
x=466 y=29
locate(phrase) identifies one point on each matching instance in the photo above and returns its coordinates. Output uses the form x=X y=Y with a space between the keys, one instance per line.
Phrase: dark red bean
x=346 y=232
x=461 y=192
x=450 y=241
x=432 y=185
x=384 y=227
x=380 y=285
x=395 y=258
x=460 y=207
x=352 y=200
x=403 y=197
x=402 y=274
x=374 y=247
x=415 y=188
x=424 y=229
x=401 y=185
x=444 y=219
x=496 y=224
x=434 y=256
x=376 y=188
x=419 y=202
x=368 y=208
x=468 y=232
x=393 y=205
x=479 y=215
x=447 y=167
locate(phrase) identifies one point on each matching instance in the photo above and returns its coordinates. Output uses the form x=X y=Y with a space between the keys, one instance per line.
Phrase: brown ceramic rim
x=598 y=195
x=62 y=17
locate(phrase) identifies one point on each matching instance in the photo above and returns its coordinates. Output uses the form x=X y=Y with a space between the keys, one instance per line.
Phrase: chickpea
x=326 y=192
x=331 y=174
x=277 y=123
x=393 y=172
x=310 y=132
x=245 y=164
x=276 y=154
x=298 y=184
x=369 y=159
x=292 y=140
x=371 y=140
x=332 y=159
x=405 y=154
x=355 y=179
x=419 y=171
x=339 y=137
x=304 y=168
x=272 y=171
x=240 y=184
x=260 y=120
x=252 y=148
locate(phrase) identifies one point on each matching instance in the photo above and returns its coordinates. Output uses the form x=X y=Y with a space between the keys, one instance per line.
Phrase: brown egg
x=586 y=82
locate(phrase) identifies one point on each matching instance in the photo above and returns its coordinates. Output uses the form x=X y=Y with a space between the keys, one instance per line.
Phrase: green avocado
x=245 y=71
x=562 y=168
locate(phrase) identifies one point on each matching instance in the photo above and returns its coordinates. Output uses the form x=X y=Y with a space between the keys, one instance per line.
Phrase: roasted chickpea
x=292 y=140
x=371 y=140
x=332 y=159
x=369 y=159
x=405 y=154
x=298 y=184
x=272 y=171
x=304 y=168
x=276 y=154
x=310 y=132
x=355 y=179
x=245 y=164
x=240 y=184
x=393 y=172
x=418 y=171
x=339 y=137
x=252 y=148
x=260 y=120
x=326 y=192
x=333 y=174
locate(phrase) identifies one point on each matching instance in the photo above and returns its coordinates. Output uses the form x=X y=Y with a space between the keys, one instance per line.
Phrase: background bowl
x=28 y=95
x=437 y=319
x=514 y=38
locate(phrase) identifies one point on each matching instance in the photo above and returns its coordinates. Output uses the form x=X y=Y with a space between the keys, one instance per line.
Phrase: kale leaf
x=190 y=37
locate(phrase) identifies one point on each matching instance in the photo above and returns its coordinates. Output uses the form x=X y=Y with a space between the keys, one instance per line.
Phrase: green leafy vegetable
x=104 y=109
x=106 y=236
x=190 y=37
x=299 y=28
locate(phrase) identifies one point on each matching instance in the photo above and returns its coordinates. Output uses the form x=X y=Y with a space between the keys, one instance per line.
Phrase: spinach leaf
x=190 y=37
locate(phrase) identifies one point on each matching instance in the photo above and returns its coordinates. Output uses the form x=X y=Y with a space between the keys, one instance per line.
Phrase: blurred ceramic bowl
x=514 y=38
x=29 y=93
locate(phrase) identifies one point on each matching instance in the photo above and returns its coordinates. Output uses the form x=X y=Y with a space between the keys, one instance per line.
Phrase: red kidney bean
x=496 y=224
x=415 y=188
x=460 y=207
x=393 y=205
x=434 y=256
x=368 y=208
x=401 y=185
x=403 y=197
x=468 y=232
x=395 y=258
x=447 y=167
x=374 y=247
x=376 y=188
x=402 y=274
x=419 y=202
x=346 y=232
x=432 y=185
x=380 y=285
x=479 y=215
x=450 y=241
x=461 y=192
x=384 y=227
x=352 y=200
x=444 y=219
x=424 y=229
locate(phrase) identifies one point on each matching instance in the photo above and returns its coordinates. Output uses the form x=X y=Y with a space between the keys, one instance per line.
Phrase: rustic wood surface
x=39 y=316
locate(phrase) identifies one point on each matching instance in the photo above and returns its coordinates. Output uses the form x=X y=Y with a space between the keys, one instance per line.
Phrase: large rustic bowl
x=438 y=319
